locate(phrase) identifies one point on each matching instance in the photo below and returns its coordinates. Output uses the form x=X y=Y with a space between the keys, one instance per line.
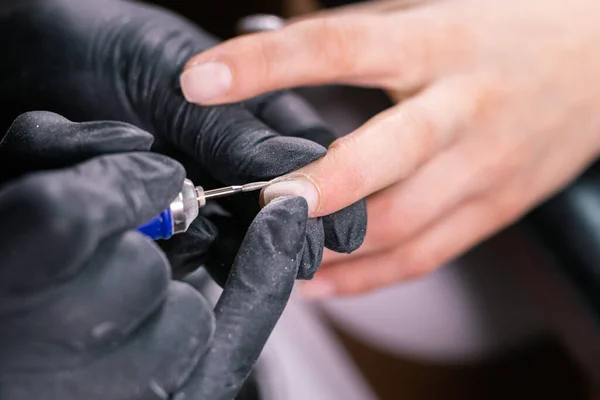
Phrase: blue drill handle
x=160 y=227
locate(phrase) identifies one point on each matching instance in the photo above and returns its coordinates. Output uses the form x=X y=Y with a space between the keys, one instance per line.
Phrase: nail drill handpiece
x=184 y=208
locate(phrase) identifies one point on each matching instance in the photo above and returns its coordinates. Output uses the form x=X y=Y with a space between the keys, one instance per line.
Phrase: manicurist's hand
x=502 y=109
x=121 y=60
x=88 y=306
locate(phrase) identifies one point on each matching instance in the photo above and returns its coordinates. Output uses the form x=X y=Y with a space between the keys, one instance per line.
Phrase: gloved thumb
x=41 y=140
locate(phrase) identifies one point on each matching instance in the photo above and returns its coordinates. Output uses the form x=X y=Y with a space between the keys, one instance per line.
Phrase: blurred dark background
x=219 y=17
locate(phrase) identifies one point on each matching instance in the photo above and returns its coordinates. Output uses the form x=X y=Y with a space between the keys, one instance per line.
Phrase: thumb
x=351 y=49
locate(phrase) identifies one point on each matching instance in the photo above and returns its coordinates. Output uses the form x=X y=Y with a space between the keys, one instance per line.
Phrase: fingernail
x=205 y=82
x=317 y=289
x=297 y=186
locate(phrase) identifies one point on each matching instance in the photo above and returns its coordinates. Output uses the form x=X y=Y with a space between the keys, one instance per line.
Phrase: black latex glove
x=117 y=60
x=87 y=306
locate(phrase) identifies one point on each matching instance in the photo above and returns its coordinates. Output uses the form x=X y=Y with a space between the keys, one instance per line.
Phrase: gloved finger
x=188 y=251
x=81 y=313
x=221 y=255
x=227 y=142
x=234 y=147
x=78 y=208
x=144 y=335
x=44 y=140
x=148 y=366
x=252 y=301
x=291 y=115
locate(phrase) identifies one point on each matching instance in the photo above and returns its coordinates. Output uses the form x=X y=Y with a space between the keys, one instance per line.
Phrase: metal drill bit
x=250 y=187
x=229 y=190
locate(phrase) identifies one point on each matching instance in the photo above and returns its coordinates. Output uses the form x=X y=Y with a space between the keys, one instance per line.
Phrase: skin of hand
x=501 y=110
x=88 y=309
x=121 y=60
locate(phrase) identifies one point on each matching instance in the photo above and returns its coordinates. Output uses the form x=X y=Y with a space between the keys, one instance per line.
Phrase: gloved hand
x=118 y=60
x=87 y=306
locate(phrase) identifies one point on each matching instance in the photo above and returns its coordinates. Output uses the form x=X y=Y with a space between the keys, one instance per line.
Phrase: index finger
x=387 y=149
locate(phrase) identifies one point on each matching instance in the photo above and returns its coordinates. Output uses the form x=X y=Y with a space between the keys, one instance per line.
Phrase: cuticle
x=297 y=175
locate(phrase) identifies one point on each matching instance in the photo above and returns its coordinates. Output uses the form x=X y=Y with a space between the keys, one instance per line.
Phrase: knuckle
x=423 y=131
x=436 y=48
x=432 y=49
x=382 y=209
x=495 y=170
x=263 y=53
x=460 y=47
x=485 y=175
x=421 y=123
x=355 y=177
x=482 y=95
x=416 y=55
x=418 y=263
x=29 y=120
x=30 y=133
x=399 y=223
x=383 y=238
x=336 y=41
x=23 y=122
x=408 y=224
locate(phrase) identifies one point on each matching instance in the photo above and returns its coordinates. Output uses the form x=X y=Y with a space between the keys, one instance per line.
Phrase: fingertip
x=345 y=230
x=294 y=185
x=33 y=119
x=228 y=72
x=312 y=253
x=206 y=83
x=293 y=211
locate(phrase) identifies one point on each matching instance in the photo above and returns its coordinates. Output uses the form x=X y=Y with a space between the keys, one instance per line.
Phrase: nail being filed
x=295 y=185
